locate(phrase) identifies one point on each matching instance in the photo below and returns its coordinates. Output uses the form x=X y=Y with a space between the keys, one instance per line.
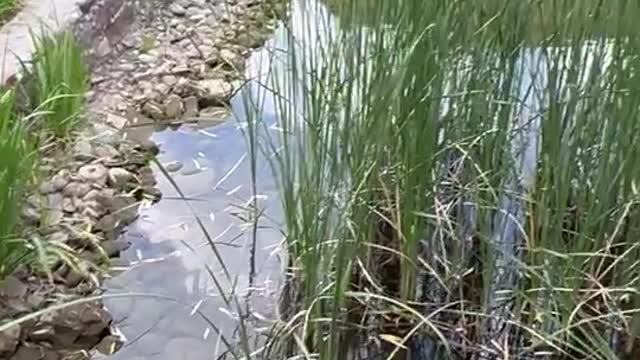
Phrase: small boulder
x=60 y=180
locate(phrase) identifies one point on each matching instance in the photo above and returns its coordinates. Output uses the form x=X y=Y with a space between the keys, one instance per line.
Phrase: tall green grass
x=57 y=80
x=16 y=156
x=459 y=179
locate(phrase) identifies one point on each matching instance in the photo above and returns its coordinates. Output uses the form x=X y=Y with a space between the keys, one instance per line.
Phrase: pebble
x=119 y=177
x=95 y=173
x=173 y=106
x=190 y=107
x=154 y=110
x=147 y=58
x=177 y=9
x=216 y=90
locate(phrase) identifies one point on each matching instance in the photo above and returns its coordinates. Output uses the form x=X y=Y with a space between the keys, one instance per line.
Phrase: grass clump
x=459 y=180
x=57 y=81
x=16 y=165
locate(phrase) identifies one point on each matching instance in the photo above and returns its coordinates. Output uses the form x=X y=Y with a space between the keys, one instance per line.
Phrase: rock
x=119 y=177
x=124 y=209
x=232 y=59
x=28 y=352
x=169 y=80
x=154 y=193
x=177 y=9
x=9 y=341
x=147 y=58
x=112 y=248
x=82 y=150
x=194 y=11
x=181 y=70
x=68 y=205
x=104 y=48
x=85 y=5
x=215 y=90
x=46 y=188
x=146 y=178
x=148 y=146
x=190 y=171
x=106 y=151
x=31 y=214
x=250 y=39
x=154 y=110
x=173 y=106
x=118 y=122
x=54 y=201
x=173 y=166
x=60 y=180
x=76 y=189
x=190 y=107
x=59 y=237
x=215 y=114
x=13 y=287
x=95 y=173
x=109 y=345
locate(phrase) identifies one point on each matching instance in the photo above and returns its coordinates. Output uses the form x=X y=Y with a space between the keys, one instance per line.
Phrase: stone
x=46 y=188
x=190 y=106
x=215 y=90
x=28 y=352
x=109 y=345
x=124 y=208
x=104 y=48
x=85 y=5
x=147 y=58
x=177 y=9
x=232 y=59
x=95 y=173
x=82 y=150
x=148 y=146
x=106 y=151
x=169 y=80
x=181 y=70
x=9 y=341
x=31 y=215
x=68 y=205
x=214 y=114
x=54 y=201
x=119 y=177
x=185 y=87
x=173 y=166
x=76 y=189
x=60 y=180
x=152 y=192
x=173 y=106
x=112 y=248
x=154 y=110
x=13 y=287
x=117 y=122
x=59 y=237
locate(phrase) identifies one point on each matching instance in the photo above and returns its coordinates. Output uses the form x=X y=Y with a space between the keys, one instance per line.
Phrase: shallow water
x=169 y=250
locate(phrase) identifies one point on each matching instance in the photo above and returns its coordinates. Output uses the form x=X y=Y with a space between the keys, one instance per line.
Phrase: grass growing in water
x=459 y=180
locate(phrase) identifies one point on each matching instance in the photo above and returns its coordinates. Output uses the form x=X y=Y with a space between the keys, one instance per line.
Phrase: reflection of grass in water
x=394 y=186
